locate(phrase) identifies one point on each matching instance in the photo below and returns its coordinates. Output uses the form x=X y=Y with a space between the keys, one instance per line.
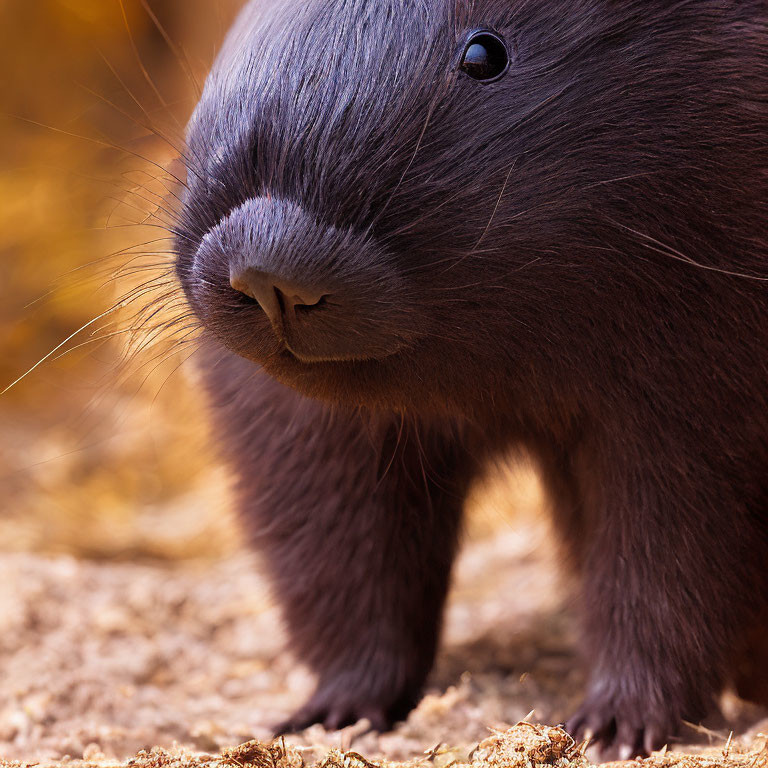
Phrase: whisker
x=143 y=69
x=392 y=194
x=147 y=126
x=59 y=346
x=101 y=143
x=178 y=51
x=490 y=220
x=667 y=250
x=58 y=280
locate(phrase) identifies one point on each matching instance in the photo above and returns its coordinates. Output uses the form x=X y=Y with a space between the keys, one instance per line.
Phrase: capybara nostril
x=278 y=297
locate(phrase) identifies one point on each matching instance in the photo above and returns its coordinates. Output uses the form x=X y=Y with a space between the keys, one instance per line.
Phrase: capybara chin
x=419 y=232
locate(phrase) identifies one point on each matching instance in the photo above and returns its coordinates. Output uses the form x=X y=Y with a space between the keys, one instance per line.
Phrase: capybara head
x=400 y=201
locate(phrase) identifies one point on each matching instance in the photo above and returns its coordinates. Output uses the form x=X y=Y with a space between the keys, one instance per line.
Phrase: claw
x=620 y=736
x=334 y=719
x=378 y=720
x=653 y=740
x=299 y=721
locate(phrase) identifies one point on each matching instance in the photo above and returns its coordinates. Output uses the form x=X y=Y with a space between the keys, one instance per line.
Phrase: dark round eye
x=486 y=57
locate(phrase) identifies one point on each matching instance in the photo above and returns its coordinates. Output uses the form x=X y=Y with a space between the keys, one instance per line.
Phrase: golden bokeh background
x=100 y=457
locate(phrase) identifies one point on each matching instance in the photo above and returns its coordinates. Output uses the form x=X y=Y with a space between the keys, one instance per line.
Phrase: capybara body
x=420 y=233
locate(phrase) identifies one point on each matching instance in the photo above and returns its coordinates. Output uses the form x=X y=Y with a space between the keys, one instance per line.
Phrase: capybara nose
x=279 y=298
x=329 y=293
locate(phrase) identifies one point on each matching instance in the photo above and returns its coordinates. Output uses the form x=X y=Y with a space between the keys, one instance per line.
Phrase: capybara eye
x=486 y=57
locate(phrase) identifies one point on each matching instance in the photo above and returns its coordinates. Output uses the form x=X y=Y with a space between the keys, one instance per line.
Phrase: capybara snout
x=324 y=294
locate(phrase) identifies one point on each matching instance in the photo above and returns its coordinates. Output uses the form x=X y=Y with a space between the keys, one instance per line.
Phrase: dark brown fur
x=572 y=259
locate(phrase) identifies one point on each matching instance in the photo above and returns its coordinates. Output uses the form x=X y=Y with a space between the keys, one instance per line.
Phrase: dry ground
x=101 y=660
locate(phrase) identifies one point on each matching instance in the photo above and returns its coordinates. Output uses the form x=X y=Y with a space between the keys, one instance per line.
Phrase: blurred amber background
x=100 y=457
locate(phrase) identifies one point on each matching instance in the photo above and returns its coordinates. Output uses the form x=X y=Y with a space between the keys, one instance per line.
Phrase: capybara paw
x=335 y=712
x=333 y=718
x=622 y=730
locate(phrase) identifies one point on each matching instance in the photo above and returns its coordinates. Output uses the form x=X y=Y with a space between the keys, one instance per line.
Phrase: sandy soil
x=101 y=660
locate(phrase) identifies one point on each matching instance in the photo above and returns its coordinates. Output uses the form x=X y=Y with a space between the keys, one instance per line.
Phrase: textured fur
x=571 y=260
